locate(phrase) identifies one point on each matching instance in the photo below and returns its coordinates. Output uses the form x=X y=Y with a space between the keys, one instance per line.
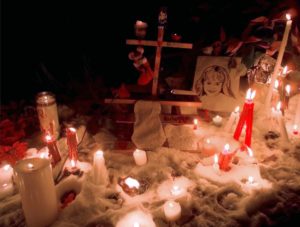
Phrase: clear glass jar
x=47 y=113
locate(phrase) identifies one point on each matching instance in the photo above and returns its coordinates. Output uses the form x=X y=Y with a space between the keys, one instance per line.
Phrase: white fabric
x=148 y=133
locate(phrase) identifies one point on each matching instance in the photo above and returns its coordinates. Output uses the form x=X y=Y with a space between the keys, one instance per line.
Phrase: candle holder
x=132 y=186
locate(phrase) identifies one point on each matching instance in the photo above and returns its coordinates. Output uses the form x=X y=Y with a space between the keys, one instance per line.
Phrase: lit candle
x=251 y=184
x=225 y=158
x=195 y=124
x=246 y=118
x=53 y=149
x=38 y=194
x=216 y=164
x=176 y=190
x=287 y=96
x=72 y=143
x=251 y=156
x=279 y=60
x=136 y=218
x=140 y=157
x=275 y=94
x=295 y=129
x=208 y=148
x=132 y=183
x=234 y=116
x=280 y=120
x=172 y=210
x=99 y=169
x=217 y=120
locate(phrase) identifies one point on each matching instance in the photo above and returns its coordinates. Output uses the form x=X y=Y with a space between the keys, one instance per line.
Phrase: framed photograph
x=217 y=81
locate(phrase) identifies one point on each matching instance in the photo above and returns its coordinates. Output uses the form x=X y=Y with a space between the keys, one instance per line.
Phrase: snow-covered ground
x=207 y=196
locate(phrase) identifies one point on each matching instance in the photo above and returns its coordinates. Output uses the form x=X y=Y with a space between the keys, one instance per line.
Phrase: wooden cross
x=158 y=44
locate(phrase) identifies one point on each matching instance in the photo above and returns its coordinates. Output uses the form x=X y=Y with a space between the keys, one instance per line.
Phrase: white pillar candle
x=234 y=117
x=172 y=210
x=38 y=194
x=217 y=120
x=6 y=173
x=140 y=157
x=278 y=61
x=100 y=175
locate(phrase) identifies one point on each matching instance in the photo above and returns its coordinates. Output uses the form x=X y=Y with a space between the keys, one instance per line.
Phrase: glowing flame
x=278 y=106
x=226 y=147
x=7 y=167
x=136 y=224
x=288 y=89
x=30 y=165
x=171 y=204
x=250 y=152
x=250 y=180
x=208 y=141
x=99 y=153
x=237 y=109
x=216 y=159
x=73 y=163
x=132 y=183
x=72 y=129
x=43 y=155
x=250 y=94
x=288 y=16
x=48 y=138
x=284 y=71
x=195 y=121
x=295 y=127
x=276 y=84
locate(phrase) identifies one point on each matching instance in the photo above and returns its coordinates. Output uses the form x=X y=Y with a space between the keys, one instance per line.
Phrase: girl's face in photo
x=213 y=84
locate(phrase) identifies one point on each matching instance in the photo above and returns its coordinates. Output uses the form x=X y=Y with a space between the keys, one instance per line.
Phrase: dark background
x=47 y=45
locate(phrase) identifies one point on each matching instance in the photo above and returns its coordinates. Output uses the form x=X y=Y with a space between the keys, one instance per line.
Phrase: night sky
x=67 y=37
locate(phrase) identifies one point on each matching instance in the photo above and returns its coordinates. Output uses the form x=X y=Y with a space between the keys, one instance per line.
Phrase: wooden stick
x=155 y=44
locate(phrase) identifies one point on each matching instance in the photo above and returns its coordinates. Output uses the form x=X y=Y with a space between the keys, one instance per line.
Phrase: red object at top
x=72 y=143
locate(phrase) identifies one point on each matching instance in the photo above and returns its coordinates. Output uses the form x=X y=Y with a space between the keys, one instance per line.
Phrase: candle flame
x=284 y=71
x=30 y=165
x=48 y=138
x=43 y=155
x=73 y=163
x=136 y=224
x=4 y=185
x=278 y=106
x=7 y=167
x=195 y=121
x=132 y=183
x=99 y=153
x=176 y=190
x=237 y=109
x=171 y=204
x=250 y=179
x=72 y=129
x=288 y=16
x=250 y=94
x=250 y=152
x=226 y=147
x=216 y=159
x=276 y=84
x=288 y=89
x=295 y=127
x=208 y=141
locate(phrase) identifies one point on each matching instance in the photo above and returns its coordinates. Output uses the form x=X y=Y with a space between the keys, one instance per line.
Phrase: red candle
x=72 y=143
x=246 y=118
x=53 y=149
x=225 y=158
x=195 y=124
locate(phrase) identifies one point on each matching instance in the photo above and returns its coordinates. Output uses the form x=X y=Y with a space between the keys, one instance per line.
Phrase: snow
x=208 y=197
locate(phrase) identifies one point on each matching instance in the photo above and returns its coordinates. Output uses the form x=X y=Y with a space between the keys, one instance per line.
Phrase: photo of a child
x=214 y=86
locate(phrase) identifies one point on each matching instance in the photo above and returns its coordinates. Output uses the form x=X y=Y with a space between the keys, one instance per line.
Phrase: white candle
x=37 y=191
x=279 y=60
x=280 y=120
x=172 y=210
x=6 y=173
x=233 y=119
x=100 y=175
x=216 y=164
x=140 y=157
x=132 y=183
x=208 y=148
x=136 y=218
x=217 y=120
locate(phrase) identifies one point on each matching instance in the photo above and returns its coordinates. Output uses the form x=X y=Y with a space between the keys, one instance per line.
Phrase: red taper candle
x=225 y=158
x=72 y=143
x=53 y=149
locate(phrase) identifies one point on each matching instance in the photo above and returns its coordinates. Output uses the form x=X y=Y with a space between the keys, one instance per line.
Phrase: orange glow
x=288 y=16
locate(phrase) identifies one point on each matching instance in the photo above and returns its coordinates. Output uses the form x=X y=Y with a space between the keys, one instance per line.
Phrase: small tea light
x=295 y=129
x=172 y=210
x=217 y=120
x=195 y=124
x=132 y=183
x=140 y=157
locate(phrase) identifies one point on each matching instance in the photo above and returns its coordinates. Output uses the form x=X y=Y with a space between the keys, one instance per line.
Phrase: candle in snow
x=38 y=194
x=100 y=175
x=136 y=218
x=208 y=148
x=225 y=158
x=278 y=61
x=280 y=120
x=140 y=157
x=195 y=124
x=234 y=116
x=217 y=120
x=251 y=184
x=172 y=210
x=72 y=143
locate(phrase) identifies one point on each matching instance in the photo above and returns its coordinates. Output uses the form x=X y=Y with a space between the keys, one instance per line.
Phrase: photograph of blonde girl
x=214 y=88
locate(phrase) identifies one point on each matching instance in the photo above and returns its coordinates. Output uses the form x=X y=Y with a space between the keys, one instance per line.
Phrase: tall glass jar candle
x=47 y=112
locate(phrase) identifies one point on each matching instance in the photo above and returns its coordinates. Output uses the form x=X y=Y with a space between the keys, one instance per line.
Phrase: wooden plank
x=157 y=60
x=162 y=102
x=155 y=44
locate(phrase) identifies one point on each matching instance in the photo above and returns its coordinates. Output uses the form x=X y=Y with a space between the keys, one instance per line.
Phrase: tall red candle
x=72 y=143
x=53 y=149
x=246 y=118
